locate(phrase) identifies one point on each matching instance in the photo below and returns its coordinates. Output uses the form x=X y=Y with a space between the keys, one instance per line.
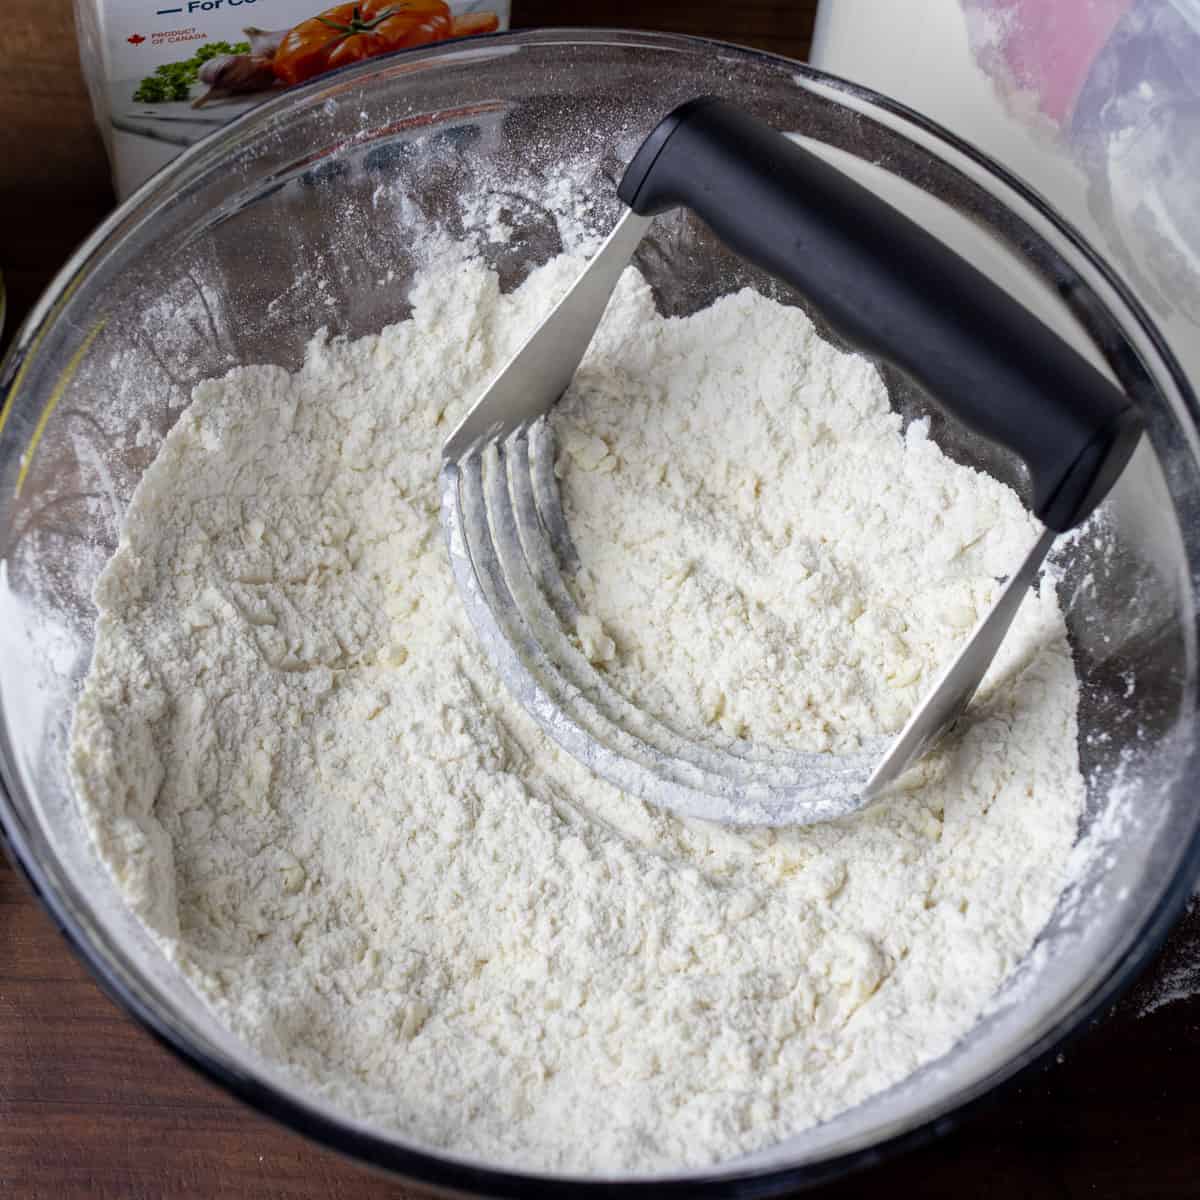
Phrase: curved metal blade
x=957 y=684
x=538 y=374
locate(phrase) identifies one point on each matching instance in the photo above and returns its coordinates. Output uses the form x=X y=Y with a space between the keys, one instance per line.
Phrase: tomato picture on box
x=336 y=37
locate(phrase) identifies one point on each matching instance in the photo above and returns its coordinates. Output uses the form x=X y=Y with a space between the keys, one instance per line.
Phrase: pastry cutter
x=888 y=288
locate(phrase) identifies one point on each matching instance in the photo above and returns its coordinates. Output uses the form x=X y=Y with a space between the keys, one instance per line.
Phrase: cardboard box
x=165 y=73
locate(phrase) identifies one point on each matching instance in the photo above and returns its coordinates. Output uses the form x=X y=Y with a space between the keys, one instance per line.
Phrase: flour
x=790 y=573
x=307 y=781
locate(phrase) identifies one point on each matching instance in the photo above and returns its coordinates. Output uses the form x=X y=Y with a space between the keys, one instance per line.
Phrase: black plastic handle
x=897 y=293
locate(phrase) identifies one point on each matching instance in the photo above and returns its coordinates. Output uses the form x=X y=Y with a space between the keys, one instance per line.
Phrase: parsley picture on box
x=163 y=78
x=174 y=80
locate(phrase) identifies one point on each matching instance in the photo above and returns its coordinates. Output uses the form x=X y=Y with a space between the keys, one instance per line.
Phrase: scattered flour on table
x=1177 y=975
x=307 y=781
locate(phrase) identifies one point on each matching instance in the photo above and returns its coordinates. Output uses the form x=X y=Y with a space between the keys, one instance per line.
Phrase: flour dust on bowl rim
x=184 y=281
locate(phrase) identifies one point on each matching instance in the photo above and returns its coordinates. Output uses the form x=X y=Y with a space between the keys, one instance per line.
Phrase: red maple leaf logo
x=135 y=40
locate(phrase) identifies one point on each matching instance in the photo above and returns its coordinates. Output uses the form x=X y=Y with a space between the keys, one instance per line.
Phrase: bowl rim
x=443 y=1171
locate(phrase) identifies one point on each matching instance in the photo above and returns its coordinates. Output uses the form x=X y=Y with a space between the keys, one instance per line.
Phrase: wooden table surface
x=91 y=1106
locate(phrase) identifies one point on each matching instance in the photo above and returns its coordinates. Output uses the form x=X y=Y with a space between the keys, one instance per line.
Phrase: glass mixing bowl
x=309 y=211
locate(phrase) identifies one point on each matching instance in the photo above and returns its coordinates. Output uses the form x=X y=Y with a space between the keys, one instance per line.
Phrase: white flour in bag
x=306 y=779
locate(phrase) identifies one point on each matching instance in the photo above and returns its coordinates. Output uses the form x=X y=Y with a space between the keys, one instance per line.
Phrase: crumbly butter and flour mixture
x=308 y=782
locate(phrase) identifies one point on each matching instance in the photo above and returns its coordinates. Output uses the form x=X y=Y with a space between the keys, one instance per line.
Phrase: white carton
x=164 y=73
